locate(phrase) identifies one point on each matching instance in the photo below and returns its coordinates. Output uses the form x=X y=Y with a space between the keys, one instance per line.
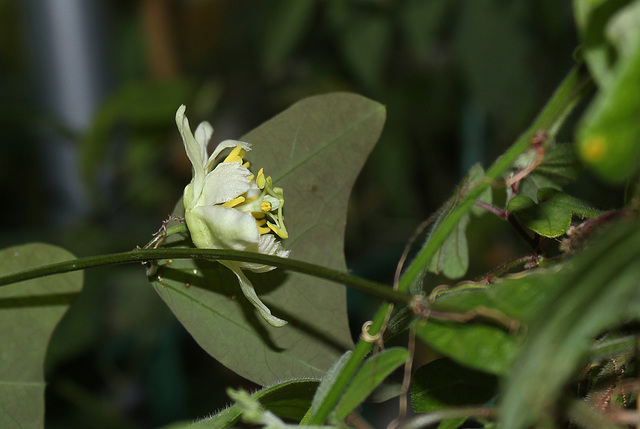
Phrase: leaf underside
x=29 y=312
x=314 y=151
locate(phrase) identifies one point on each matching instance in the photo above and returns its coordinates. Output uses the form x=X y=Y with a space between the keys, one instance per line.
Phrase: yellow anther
x=280 y=232
x=246 y=164
x=279 y=229
x=234 y=202
x=250 y=199
x=261 y=222
x=258 y=215
x=236 y=155
x=263 y=230
x=265 y=206
x=260 y=180
x=250 y=177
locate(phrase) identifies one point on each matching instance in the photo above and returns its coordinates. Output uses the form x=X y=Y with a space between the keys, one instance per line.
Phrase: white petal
x=202 y=136
x=218 y=227
x=225 y=145
x=195 y=152
x=250 y=293
x=267 y=245
x=227 y=181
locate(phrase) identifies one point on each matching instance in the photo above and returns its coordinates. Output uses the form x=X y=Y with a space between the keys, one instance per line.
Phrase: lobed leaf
x=314 y=150
x=29 y=312
x=551 y=216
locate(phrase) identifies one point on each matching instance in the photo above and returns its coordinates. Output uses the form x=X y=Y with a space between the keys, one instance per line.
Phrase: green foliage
x=314 y=151
x=551 y=215
x=373 y=372
x=594 y=291
x=608 y=136
x=543 y=339
x=492 y=48
x=452 y=258
x=29 y=312
x=327 y=381
x=284 y=27
x=559 y=167
x=442 y=384
x=134 y=117
x=592 y=18
x=422 y=20
x=550 y=119
x=289 y=400
x=486 y=348
x=366 y=43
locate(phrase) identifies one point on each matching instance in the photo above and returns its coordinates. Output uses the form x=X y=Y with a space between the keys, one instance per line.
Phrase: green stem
x=570 y=91
x=143 y=255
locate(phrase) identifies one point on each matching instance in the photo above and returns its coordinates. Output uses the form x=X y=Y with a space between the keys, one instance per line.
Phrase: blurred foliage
x=459 y=79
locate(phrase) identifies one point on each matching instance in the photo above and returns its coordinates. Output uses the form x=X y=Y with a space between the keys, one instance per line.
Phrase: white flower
x=227 y=207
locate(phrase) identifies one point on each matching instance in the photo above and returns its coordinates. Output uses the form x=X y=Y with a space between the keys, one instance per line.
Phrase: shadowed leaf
x=314 y=151
x=593 y=292
x=29 y=312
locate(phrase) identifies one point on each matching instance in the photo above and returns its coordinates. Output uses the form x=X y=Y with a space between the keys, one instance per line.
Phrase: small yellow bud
x=593 y=148
x=265 y=206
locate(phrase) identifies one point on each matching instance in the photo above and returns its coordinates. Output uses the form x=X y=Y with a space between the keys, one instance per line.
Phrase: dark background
x=90 y=158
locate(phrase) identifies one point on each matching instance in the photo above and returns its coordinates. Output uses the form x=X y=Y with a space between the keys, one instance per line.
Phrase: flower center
x=266 y=207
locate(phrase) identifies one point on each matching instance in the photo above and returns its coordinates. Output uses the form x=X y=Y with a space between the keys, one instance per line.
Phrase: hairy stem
x=570 y=91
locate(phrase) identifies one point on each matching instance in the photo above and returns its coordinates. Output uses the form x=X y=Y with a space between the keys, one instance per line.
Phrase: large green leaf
x=29 y=312
x=591 y=293
x=314 y=151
